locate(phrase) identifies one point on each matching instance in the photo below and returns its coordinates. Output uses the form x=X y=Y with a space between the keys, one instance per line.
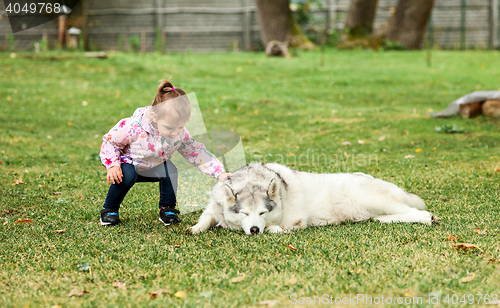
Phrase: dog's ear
x=272 y=189
x=230 y=195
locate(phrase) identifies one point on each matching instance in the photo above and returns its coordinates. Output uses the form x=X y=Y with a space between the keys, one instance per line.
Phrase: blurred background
x=234 y=25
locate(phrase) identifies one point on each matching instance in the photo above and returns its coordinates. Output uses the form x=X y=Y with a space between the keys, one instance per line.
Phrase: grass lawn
x=287 y=110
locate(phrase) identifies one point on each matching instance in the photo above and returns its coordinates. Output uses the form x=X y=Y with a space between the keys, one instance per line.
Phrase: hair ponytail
x=166 y=91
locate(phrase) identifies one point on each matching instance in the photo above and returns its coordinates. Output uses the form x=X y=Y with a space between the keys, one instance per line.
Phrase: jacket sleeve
x=197 y=154
x=115 y=142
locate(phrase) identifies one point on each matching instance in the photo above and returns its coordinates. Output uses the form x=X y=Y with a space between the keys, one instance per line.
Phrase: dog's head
x=250 y=204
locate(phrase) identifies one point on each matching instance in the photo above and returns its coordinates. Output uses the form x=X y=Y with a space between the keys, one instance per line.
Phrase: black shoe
x=168 y=216
x=109 y=217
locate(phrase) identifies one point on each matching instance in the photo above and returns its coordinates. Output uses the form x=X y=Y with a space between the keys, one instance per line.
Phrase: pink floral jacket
x=135 y=141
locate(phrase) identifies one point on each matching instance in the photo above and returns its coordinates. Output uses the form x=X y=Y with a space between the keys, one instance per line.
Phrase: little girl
x=139 y=149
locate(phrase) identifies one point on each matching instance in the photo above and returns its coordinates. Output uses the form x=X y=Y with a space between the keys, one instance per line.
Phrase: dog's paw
x=435 y=220
x=195 y=229
x=275 y=229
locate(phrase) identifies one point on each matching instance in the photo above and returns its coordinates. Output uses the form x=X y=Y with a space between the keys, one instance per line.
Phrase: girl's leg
x=166 y=175
x=168 y=187
x=117 y=192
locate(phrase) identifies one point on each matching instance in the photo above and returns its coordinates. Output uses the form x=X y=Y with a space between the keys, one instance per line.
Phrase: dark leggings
x=165 y=174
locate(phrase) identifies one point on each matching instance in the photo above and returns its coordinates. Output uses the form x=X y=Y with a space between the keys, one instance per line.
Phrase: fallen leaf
x=56 y=306
x=70 y=124
x=119 y=285
x=180 y=294
x=409 y=156
x=346 y=143
x=238 y=279
x=362 y=141
x=492 y=260
x=5 y=222
x=23 y=220
x=176 y=246
x=1 y=162
x=290 y=281
x=497 y=169
x=76 y=292
x=85 y=103
x=467 y=279
x=381 y=138
x=256 y=111
x=159 y=292
x=60 y=231
x=452 y=238
x=291 y=247
x=478 y=231
x=433 y=149
x=17 y=182
x=268 y=303
x=419 y=150
x=409 y=293
x=56 y=193
x=465 y=246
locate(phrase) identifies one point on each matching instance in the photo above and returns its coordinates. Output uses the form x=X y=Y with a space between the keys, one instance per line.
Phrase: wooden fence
x=221 y=25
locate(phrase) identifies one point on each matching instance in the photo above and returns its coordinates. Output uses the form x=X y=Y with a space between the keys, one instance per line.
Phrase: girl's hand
x=224 y=175
x=115 y=174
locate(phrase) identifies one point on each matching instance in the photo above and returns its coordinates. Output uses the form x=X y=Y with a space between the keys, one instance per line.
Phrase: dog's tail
x=415 y=201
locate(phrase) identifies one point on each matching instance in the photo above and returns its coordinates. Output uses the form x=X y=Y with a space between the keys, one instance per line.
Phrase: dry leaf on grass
x=56 y=193
x=5 y=222
x=419 y=150
x=409 y=293
x=362 y=141
x=346 y=143
x=19 y=181
x=291 y=247
x=176 y=246
x=478 y=231
x=120 y=285
x=452 y=238
x=465 y=246
x=497 y=169
x=409 y=156
x=381 y=138
x=467 y=279
x=155 y=294
x=24 y=220
x=290 y=281
x=76 y=292
x=492 y=260
x=60 y=231
x=239 y=279
x=268 y=303
x=180 y=294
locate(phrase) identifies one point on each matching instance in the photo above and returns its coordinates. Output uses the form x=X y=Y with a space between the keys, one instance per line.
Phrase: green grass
x=287 y=108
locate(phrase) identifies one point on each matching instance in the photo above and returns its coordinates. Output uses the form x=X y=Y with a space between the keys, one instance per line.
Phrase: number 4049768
x=471 y=299
x=34 y=8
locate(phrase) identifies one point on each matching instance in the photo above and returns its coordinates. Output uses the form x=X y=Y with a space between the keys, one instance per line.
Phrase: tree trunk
x=273 y=20
x=360 y=17
x=277 y=23
x=408 y=24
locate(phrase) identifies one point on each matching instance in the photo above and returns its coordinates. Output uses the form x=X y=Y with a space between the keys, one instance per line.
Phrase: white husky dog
x=275 y=198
